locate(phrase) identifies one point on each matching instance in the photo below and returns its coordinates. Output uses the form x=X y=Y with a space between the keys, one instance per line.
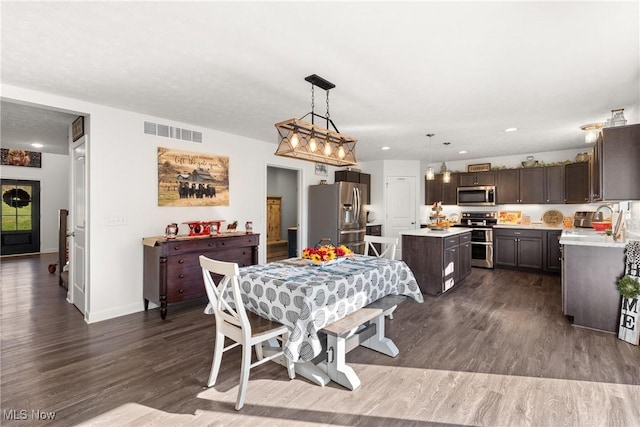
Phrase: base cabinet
x=438 y=263
x=589 y=292
x=552 y=253
x=518 y=248
x=172 y=270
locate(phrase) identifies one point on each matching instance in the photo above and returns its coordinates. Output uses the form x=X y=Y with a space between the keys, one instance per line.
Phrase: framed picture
x=321 y=169
x=480 y=167
x=32 y=159
x=192 y=179
x=77 y=128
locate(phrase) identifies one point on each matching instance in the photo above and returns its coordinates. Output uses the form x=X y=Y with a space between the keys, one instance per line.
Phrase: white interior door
x=78 y=259
x=401 y=207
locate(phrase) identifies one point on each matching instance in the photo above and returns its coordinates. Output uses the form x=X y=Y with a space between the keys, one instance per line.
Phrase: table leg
x=379 y=342
x=337 y=368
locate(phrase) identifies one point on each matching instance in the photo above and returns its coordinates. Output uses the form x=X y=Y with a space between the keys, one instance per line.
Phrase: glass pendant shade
x=446 y=177
x=431 y=175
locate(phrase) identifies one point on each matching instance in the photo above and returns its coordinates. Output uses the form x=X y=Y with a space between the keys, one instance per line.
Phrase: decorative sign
x=77 y=128
x=321 y=169
x=629 y=321
x=480 y=167
x=30 y=159
x=192 y=179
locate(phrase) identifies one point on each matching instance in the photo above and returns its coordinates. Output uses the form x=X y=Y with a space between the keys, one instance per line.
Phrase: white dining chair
x=388 y=249
x=244 y=327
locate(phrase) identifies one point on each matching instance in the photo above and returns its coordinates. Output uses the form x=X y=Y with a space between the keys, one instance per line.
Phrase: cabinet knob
x=181 y=276
x=180 y=291
x=176 y=248
x=210 y=244
x=181 y=261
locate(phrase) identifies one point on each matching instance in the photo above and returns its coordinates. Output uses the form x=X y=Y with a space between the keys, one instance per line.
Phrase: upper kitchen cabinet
x=354 y=176
x=554 y=184
x=531 y=185
x=507 y=186
x=616 y=164
x=576 y=183
x=469 y=179
x=520 y=185
x=436 y=190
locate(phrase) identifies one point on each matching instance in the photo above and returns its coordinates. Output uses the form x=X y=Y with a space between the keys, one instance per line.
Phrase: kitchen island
x=591 y=265
x=439 y=259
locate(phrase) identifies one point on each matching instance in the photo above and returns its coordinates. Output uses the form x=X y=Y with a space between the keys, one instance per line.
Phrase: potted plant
x=629 y=288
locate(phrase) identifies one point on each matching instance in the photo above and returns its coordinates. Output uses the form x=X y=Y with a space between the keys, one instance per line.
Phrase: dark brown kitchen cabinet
x=552 y=254
x=354 y=176
x=438 y=263
x=172 y=270
x=554 y=184
x=507 y=186
x=616 y=164
x=436 y=190
x=531 y=185
x=576 y=183
x=518 y=248
x=469 y=179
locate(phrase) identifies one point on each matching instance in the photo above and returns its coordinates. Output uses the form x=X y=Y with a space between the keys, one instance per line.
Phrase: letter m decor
x=629 y=330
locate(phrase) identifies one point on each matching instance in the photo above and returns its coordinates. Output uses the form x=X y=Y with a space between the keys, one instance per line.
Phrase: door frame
x=299 y=184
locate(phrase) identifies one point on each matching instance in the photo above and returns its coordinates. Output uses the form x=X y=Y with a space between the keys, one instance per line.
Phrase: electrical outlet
x=114 y=221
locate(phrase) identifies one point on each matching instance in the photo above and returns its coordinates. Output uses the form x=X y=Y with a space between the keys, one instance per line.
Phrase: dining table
x=306 y=297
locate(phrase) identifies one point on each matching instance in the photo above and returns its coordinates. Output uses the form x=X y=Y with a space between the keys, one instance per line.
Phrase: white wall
x=54 y=194
x=123 y=183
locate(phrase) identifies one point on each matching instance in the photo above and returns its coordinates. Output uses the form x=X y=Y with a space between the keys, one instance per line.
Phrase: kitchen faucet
x=597 y=215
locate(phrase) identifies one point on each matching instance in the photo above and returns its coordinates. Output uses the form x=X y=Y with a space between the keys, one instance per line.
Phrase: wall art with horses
x=192 y=179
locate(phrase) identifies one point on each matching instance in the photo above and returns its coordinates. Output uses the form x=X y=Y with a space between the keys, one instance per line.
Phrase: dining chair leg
x=259 y=353
x=290 y=365
x=244 y=375
x=217 y=359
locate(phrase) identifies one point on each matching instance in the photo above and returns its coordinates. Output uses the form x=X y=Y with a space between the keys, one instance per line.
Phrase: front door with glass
x=20 y=217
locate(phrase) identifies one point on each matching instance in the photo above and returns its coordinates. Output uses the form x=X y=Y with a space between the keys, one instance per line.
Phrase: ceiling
x=463 y=71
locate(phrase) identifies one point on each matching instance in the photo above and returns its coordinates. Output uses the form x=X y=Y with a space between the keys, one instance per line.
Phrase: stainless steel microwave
x=484 y=195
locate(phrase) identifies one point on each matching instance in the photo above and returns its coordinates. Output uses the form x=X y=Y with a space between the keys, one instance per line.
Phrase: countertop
x=588 y=237
x=529 y=226
x=426 y=232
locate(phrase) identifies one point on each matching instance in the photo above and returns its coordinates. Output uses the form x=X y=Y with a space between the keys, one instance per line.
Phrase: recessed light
x=386 y=148
x=511 y=129
x=462 y=152
x=37 y=145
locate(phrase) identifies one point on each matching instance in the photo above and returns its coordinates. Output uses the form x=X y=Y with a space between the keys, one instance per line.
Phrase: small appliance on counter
x=583 y=219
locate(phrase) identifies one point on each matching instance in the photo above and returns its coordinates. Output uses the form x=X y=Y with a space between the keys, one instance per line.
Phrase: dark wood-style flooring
x=494 y=351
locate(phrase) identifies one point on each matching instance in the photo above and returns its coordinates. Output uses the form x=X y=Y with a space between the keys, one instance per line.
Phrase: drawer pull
x=180 y=276
x=176 y=248
x=210 y=244
x=181 y=261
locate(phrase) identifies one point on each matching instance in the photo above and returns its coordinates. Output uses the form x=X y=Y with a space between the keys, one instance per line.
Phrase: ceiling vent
x=172 y=132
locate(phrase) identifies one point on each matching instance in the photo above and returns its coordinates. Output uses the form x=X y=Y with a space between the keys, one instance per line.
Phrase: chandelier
x=302 y=140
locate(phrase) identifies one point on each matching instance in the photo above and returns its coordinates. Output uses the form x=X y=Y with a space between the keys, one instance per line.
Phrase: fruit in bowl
x=601 y=225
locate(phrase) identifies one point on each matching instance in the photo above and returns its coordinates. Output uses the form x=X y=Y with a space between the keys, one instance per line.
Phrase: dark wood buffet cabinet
x=172 y=270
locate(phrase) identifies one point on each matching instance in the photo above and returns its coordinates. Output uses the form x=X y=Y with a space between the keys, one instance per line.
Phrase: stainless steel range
x=481 y=224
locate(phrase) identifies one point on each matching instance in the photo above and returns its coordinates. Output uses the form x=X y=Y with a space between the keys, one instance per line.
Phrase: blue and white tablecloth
x=306 y=297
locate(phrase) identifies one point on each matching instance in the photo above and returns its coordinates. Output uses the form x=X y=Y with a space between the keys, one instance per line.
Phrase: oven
x=482 y=247
x=481 y=224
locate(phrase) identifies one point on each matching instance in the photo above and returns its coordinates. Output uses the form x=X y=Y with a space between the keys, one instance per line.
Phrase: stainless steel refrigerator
x=336 y=212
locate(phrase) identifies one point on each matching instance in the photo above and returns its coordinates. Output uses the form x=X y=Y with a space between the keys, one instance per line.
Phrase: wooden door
x=274 y=217
x=554 y=184
x=576 y=178
x=507 y=186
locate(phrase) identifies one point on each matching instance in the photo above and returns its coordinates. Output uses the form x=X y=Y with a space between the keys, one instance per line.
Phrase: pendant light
x=302 y=140
x=446 y=174
x=430 y=174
